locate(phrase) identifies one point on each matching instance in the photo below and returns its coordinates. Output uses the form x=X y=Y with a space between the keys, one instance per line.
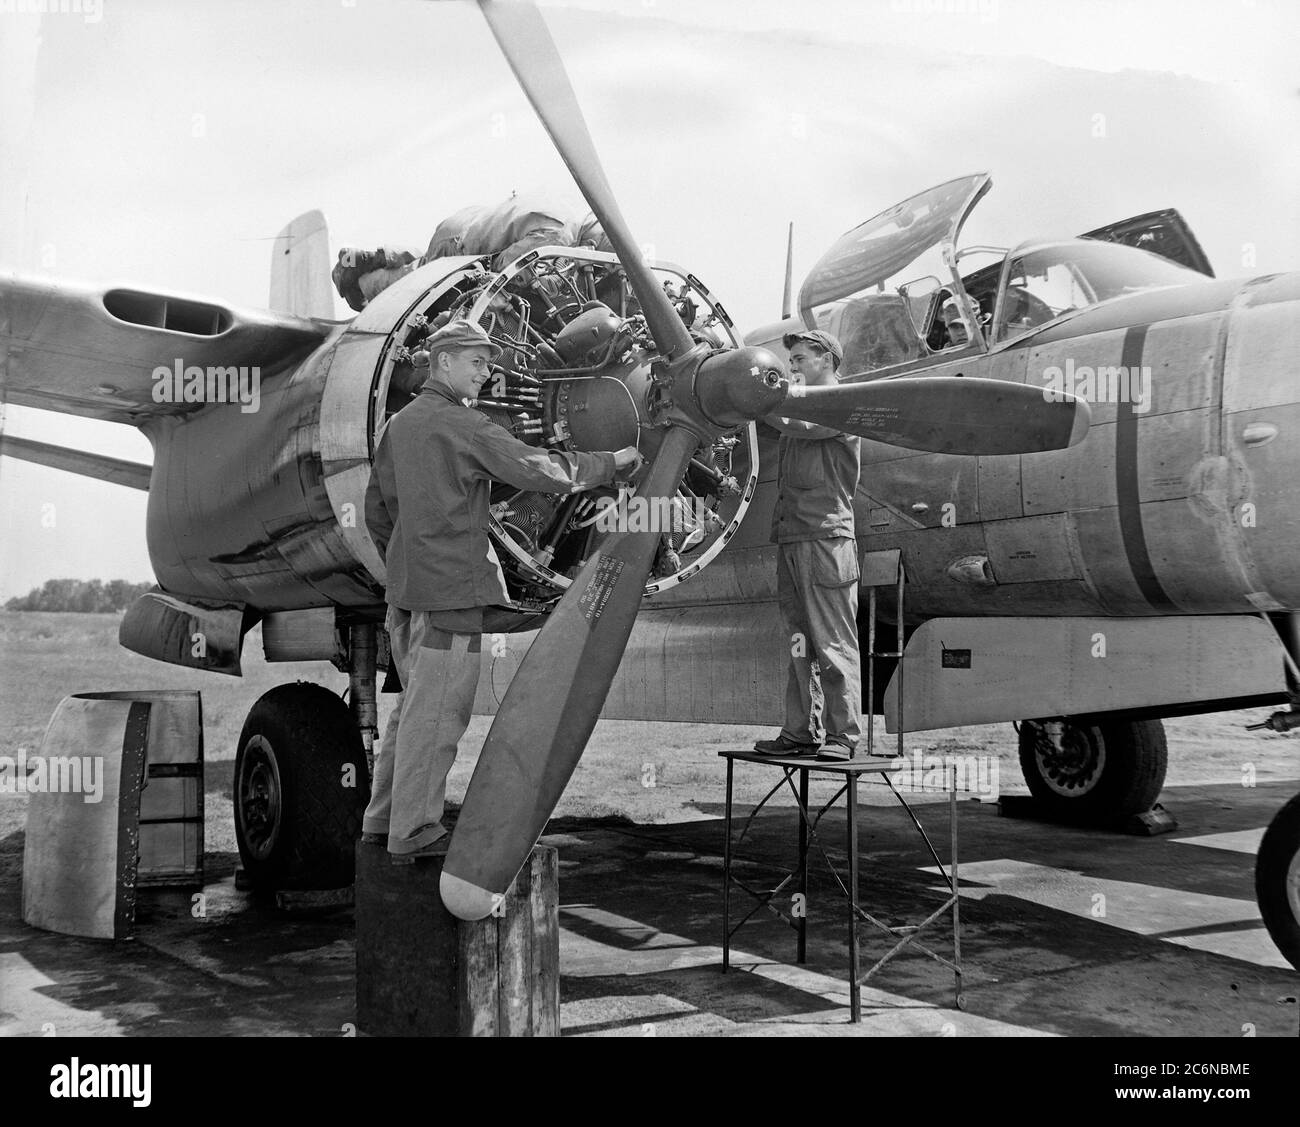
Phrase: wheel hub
x=258 y=796
x=1070 y=761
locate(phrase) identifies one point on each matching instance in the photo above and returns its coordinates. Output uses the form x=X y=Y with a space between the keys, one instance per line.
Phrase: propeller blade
x=546 y=718
x=531 y=52
x=946 y=414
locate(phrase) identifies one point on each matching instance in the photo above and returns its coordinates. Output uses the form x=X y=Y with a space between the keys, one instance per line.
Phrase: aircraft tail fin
x=300 y=268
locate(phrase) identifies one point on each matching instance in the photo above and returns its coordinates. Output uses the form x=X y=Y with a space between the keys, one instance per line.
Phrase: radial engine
x=577 y=373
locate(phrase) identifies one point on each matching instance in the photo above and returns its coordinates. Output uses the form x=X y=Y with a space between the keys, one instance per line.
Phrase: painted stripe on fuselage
x=1126 y=482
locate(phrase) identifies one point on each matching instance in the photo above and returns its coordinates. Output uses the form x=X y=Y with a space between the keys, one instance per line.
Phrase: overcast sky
x=165 y=143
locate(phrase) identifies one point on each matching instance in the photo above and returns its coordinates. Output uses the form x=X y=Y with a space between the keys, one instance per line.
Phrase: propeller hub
x=740 y=385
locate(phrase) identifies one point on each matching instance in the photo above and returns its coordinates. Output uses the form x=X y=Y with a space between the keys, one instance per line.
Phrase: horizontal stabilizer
x=134 y=475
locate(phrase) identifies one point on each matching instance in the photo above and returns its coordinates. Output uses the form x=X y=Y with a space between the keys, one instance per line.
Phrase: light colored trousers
x=817 y=589
x=439 y=673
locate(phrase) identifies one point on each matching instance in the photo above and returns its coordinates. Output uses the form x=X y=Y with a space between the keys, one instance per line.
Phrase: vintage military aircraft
x=1016 y=550
x=1085 y=593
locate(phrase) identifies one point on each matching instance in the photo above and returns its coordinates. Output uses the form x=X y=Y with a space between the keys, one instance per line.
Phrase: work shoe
x=435 y=848
x=784 y=746
x=837 y=749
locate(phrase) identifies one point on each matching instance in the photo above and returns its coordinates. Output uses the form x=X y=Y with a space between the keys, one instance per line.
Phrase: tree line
x=84 y=595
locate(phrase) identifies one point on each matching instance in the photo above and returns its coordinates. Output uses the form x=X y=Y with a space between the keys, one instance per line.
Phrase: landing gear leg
x=364 y=649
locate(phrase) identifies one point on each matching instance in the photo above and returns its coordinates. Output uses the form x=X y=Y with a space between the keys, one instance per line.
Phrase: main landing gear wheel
x=300 y=790
x=1277 y=880
x=1098 y=771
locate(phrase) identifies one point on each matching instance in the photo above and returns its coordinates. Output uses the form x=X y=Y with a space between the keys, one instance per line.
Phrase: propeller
x=542 y=725
x=531 y=52
x=948 y=414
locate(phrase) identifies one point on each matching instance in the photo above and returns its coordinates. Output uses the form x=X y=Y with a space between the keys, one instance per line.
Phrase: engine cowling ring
x=632 y=379
x=579 y=397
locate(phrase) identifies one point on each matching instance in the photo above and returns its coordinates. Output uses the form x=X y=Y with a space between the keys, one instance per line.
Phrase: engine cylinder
x=585 y=339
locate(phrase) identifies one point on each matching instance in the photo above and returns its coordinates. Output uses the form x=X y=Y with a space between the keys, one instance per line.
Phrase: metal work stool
x=887 y=570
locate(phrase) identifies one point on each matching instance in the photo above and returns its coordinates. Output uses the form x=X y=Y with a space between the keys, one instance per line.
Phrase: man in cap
x=817 y=565
x=427 y=511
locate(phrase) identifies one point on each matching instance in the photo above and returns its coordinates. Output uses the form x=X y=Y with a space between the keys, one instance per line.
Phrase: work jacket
x=817 y=475
x=427 y=502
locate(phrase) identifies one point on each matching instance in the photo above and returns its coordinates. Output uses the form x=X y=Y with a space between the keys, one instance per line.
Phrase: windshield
x=1047 y=281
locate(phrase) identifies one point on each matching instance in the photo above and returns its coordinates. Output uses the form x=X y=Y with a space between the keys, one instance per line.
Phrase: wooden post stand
x=423 y=973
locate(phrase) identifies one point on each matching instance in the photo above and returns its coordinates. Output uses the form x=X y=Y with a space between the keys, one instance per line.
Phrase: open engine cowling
x=576 y=374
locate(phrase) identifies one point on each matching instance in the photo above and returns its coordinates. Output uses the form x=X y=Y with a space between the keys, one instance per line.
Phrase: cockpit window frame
x=997 y=326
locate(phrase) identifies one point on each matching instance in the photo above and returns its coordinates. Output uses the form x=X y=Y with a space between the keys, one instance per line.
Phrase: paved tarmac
x=1065 y=932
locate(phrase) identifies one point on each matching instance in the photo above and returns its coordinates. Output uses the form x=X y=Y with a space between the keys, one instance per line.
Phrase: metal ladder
x=885 y=569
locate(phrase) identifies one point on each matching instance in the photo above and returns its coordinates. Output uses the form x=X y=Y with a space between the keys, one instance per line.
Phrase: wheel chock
x=1157 y=820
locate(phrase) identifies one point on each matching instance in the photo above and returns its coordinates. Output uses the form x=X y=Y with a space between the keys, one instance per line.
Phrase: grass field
x=44 y=657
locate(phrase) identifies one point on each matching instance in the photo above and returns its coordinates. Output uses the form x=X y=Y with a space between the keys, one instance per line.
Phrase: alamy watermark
x=967 y=774
x=91 y=11
x=192 y=384
x=75 y=1080
x=629 y=513
x=987 y=10
x=1102 y=384
x=55 y=774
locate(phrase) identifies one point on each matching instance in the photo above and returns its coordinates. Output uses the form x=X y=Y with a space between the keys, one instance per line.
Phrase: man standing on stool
x=817 y=564
x=427 y=511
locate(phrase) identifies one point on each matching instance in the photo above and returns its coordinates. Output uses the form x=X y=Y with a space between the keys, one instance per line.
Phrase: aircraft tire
x=1277 y=880
x=1109 y=770
x=296 y=818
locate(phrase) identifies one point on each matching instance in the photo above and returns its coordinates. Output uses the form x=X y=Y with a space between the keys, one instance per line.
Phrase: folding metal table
x=849 y=771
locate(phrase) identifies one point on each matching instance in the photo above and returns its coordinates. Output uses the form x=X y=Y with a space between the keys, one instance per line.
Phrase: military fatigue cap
x=460 y=334
x=820 y=338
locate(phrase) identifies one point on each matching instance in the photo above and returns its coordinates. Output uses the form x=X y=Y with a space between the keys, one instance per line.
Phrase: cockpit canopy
x=928 y=300
x=1046 y=280
x=887 y=244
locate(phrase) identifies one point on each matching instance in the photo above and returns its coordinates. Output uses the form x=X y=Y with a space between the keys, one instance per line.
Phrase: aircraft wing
x=92 y=351
x=119 y=471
